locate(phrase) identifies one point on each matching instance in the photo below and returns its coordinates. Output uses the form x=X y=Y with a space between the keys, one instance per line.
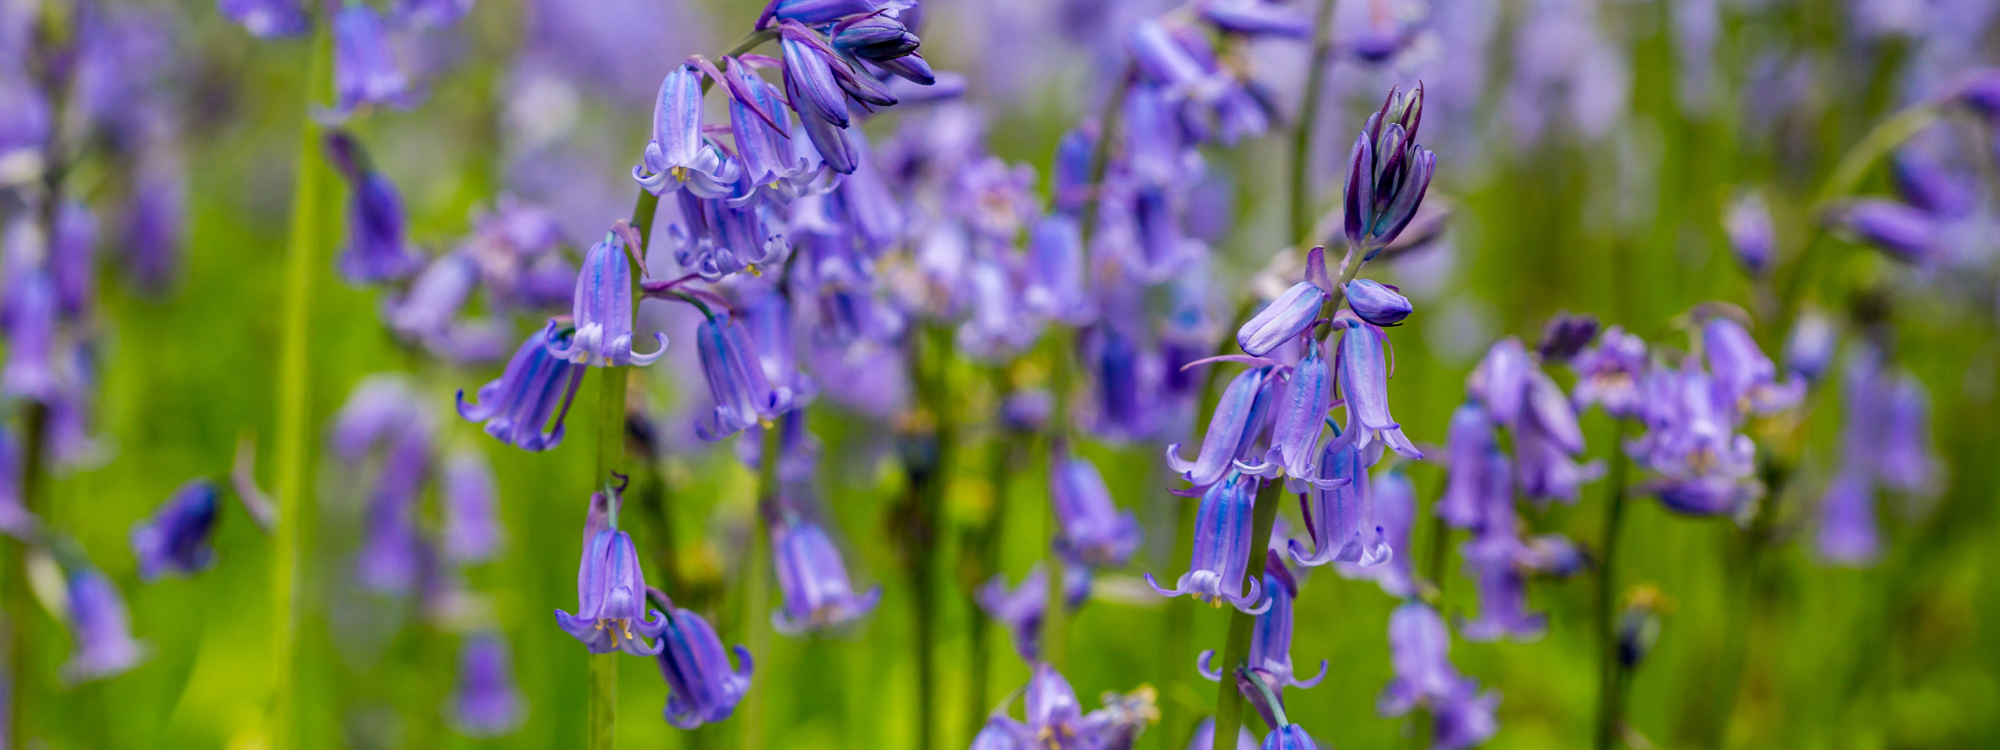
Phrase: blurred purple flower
x=1751 y=233
x=99 y=627
x=1610 y=373
x=364 y=65
x=377 y=249
x=1021 y=610
x=813 y=579
x=267 y=19
x=486 y=702
x=72 y=259
x=1810 y=345
x=1903 y=232
x=1204 y=737
x=391 y=555
x=472 y=531
x=1092 y=531
x=175 y=541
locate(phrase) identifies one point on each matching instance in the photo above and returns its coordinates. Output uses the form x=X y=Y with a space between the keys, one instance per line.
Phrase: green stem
x=757 y=595
x=1302 y=133
x=310 y=214
x=22 y=658
x=1875 y=144
x=1609 y=703
x=982 y=555
x=1236 y=652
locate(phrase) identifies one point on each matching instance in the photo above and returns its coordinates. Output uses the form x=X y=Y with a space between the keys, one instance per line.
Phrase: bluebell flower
x=1297 y=420
x=364 y=66
x=1232 y=430
x=486 y=702
x=267 y=19
x=1704 y=467
x=1364 y=385
x=1053 y=718
x=175 y=541
x=1126 y=405
x=702 y=687
x=813 y=579
x=874 y=37
x=1500 y=382
x=1378 y=304
x=813 y=82
x=603 y=311
x=1904 y=460
x=1810 y=345
x=72 y=259
x=377 y=249
x=1609 y=374
x=99 y=628
x=1744 y=378
x=1546 y=439
x=911 y=67
x=430 y=13
x=1931 y=186
x=1222 y=548
x=611 y=610
x=1387 y=173
x=1392 y=500
x=1337 y=513
x=995 y=329
x=391 y=558
x=1271 y=641
x=1847 y=526
x=425 y=313
x=155 y=218
x=1091 y=530
x=1167 y=60
x=678 y=155
x=1420 y=648
x=472 y=530
x=28 y=318
x=1021 y=609
x=778 y=165
x=535 y=386
x=382 y=407
x=720 y=236
x=1284 y=319
x=742 y=394
x=1751 y=232
x=1056 y=277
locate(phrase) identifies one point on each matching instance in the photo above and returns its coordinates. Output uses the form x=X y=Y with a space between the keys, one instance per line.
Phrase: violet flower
x=1393 y=500
x=813 y=580
x=611 y=597
x=679 y=156
x=1744 y=378
x=1055 y=719
x=72 y=259
x=471 y=523
x=364 y=66
x=390 y=559
x=1704 y=466
x=1468 y=442
x=1378 y=304
x=377 y=250
x=1847 y=526
x=28 y=318
x=603 y=311
x=1751 y=233
x=742 y=395
x=1232 y=430
x=1271 y=641
x=486 y=702
x=1500 y=382
x=1419 y=647
x=99 y=628
x=1256 y=18
x=1222 y=548
x=1609 y=373
x=535 y=386
x=1810 y=345
x=175 y=541
x=816 y=12
x=1056 y=280
x=1291 y=313
x=719 y=236
x=1565 y=336
x=1300 y=416
x=1337 y=513
x=702 y=687
x=1021 y=609
x=425 y=313
x=267 y=19
x=1364 y=385
x=1092 y=531
x=1905 y=233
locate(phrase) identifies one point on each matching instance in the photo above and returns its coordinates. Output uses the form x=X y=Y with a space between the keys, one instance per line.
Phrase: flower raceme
x=1387 y=173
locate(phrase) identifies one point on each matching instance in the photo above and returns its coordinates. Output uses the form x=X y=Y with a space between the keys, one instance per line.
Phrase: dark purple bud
x=364 y=66
x=1907 y=234
x=742 y=394
x=874 y=37
x=1377 y=303
x=813 y=580
x=535 y=386
x=1232 y=430
x=1638 y=628
x=702 y=686
x=1222 y=547
x=267 y=19
x=603 y=311
x=810 y=80
x=471 y=517
x=175 y=541
x=486 y=703
x=1285 y=318
x=1257 y=18
x=911 y=67
x=1565 y=335
x=1387 y=173
x=1091 y=531
x=100 y=629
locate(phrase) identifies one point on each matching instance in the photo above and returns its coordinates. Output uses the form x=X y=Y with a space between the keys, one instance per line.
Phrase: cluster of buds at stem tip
x=1387 y=173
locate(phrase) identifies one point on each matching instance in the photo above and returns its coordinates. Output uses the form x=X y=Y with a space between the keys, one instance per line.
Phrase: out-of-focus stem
x=310 y=194
x=982 y=555
x=1302 y=132
x=20 y=602
x=757 y=594
x=1236 y=652
x=1610 y=684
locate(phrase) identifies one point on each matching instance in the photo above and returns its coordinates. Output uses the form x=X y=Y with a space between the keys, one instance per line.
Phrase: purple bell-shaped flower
x=175 y=541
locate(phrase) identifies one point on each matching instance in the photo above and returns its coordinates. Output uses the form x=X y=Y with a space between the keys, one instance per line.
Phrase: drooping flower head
x=1337 y=512
x=1392 y=500
x=743 y=396
x=99 y=628
x=678 y=155
x=611 y=590
x=486 y=701
x=813 y=579
x=1364 y=385
x=603 y=311
x=1232 y=430
x=702 y=687
x=1222 y=547
x=1092 y=531
x=535 y=386
x=471 y=522
x=175 y=541
x=1271 y=641
x=364 y=65
x=377 y=249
